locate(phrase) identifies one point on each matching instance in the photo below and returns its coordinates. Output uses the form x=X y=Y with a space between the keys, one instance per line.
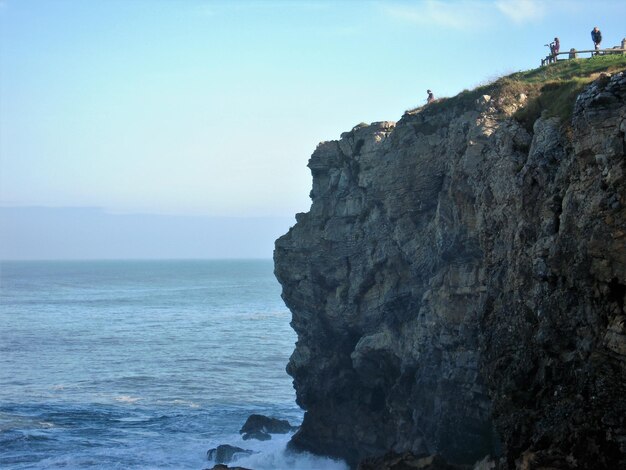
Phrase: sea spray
x=274 y=455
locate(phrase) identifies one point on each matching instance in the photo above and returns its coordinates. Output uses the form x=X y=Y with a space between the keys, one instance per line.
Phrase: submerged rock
x=220 y=466
x=257 y=435
x=225 y=453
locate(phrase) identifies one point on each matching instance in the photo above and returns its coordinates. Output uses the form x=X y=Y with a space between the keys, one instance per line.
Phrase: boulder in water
x=258 y=435
x=221 y=466
x=225 y=453
x=262 y=423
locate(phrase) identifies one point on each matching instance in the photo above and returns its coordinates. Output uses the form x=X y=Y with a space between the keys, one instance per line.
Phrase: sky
x=212 y=108
x=69 y=233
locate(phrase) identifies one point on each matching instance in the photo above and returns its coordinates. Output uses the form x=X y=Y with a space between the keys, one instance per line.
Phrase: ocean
x=143 y=364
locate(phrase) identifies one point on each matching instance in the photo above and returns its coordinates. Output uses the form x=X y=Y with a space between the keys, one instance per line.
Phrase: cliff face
x=458 y=286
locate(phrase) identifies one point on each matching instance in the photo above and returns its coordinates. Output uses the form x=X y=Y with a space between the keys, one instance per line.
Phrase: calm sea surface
x=142 y=364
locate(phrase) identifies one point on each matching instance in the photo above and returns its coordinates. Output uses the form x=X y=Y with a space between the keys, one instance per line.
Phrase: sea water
x=142 y=364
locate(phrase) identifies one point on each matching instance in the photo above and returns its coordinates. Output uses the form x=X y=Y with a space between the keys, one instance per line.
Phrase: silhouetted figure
x=431 y=97
x=555 y=47
x=596 y=37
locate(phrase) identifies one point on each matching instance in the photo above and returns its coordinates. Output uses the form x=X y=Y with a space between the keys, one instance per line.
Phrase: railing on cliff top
x=573 y=53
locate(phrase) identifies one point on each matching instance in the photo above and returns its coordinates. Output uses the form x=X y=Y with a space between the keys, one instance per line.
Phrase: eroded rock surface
x=458 y=286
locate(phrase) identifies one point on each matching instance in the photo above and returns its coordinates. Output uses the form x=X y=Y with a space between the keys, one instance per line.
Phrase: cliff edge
x=458 y=284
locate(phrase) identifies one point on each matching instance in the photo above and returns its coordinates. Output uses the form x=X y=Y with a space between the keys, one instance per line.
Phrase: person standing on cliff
x=596 y=37
x=431 y=97
x=554 y=48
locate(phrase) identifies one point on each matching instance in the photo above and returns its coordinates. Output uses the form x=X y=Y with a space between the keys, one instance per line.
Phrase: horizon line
x=12 y=260
x=113 y=212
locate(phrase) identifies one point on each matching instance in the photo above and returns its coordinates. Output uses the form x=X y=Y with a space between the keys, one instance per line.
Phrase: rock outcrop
x=261 y=427
x=225 y=453
x=458 y=286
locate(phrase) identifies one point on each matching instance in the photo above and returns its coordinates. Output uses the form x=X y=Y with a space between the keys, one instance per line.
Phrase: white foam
x=284 y=460
x=127 y=399
x=273 y=455
x=190 y=404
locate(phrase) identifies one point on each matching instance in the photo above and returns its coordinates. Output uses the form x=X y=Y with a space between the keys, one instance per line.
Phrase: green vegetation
x=554 y=98
x=571 y=69
x=551 y=89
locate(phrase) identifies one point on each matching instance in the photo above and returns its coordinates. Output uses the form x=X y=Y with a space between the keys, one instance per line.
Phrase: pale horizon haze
x=205 y=110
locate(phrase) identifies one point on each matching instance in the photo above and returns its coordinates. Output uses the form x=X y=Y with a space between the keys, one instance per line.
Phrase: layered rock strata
x=458 y=286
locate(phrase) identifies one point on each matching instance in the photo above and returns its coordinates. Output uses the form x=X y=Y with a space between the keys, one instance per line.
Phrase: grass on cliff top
x=551 y=89
x=551 y=99
x=572 y=69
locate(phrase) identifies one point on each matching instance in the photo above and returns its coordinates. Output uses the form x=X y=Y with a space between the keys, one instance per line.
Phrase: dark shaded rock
x=220 y=466
x=259 y=423
x=225 y=453
x=458 y=286
x=407 y=461
x=257 y=435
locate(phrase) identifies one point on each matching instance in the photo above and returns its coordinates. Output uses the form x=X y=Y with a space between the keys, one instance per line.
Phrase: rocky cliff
x=458 y=285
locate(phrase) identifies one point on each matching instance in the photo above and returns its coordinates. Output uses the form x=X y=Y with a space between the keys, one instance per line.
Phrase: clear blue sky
x=214 y=107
